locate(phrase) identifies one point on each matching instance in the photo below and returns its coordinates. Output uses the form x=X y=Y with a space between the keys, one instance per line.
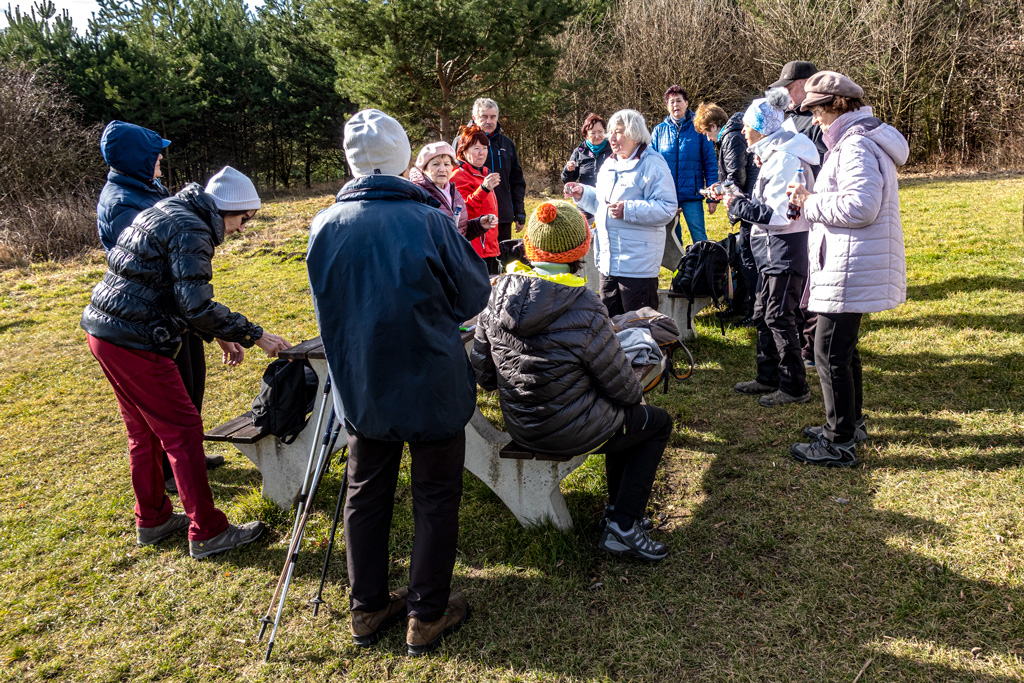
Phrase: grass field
x=910 y=564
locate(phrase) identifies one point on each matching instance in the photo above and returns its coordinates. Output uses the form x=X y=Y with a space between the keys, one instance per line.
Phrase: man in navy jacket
x=133 y=183
x=392 y=280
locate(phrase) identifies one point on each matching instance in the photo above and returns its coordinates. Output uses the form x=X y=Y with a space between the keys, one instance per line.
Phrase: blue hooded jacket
x=131 y=152
x=392 y=280
x=690 y=156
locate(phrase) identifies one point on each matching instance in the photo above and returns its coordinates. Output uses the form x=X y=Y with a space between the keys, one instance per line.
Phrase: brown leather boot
x=368 y=626
x=424 y=636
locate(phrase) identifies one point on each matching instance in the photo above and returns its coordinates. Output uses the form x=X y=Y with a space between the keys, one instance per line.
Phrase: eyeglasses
x=247 y=217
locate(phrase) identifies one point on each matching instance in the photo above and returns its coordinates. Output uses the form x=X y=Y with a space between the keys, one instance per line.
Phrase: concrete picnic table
x=528 y=484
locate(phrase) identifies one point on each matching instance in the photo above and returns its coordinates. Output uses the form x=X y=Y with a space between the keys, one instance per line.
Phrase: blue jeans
x=693 y=214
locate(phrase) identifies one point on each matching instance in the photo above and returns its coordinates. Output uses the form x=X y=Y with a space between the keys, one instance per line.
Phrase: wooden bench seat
x=516 y=451
x=238 y=430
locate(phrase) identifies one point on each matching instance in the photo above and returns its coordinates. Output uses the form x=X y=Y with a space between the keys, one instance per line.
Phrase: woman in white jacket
x=779 y=245
x=857 y=263
x=634 y=198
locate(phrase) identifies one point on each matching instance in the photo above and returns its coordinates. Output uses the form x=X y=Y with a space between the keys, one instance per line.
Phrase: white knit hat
x=232 y=191
x=376 y=144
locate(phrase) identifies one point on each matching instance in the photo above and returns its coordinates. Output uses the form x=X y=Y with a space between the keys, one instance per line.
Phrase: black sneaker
x=214 y=461
x=150 y=535
x=633 y=542
x=171 y=486
x=645 y=522
x=781 y=398
x=752 y=386
x=825 y=453
x=230 y=538
x=860 y=432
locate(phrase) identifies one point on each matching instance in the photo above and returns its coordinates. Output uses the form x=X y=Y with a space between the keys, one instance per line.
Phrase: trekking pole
x=303 y=493
x=293 y=552
x=318 y=600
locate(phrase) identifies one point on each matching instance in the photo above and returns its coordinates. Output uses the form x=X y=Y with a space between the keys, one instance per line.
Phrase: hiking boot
x=424 y=636
x=232 y=537
x=645 y=522
x=171 y=486
x=781 y=398
x=633 y=542
x=860 y=432
x=752 y=386
x=150 y=535
x=367 y=627
x=214 y=461
x=825 y=453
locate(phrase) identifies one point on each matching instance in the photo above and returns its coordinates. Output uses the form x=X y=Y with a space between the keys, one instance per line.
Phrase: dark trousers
x=621 y=294
x=160 y=418
x=631 y=458
x=778 y=335
x=746 y=290
x=493 y=265
x=436 y=492
x=838 y=365
x=504 y=231
x=191 y=362
x=808 y=322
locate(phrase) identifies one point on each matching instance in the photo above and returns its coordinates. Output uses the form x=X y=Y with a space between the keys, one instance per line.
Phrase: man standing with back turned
x=392 y=280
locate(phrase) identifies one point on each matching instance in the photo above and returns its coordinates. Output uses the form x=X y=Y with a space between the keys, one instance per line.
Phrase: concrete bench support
x=529 y=488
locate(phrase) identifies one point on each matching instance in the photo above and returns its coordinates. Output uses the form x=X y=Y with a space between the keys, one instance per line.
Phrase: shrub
x=50 y=170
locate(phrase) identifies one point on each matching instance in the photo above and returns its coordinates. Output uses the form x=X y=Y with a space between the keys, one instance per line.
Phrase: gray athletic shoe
x=752 y=386
x=825 y=453
x=148 y=536
x=634 y=542
x=645 y=522
x=781 y=398
x=230 y=538
x=860 y=432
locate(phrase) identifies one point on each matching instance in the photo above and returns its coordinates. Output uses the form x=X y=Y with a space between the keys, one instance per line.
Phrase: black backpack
x=703 y=272
x=287 y=395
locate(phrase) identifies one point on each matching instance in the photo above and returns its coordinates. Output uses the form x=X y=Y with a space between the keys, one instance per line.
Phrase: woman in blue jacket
x=691 y=159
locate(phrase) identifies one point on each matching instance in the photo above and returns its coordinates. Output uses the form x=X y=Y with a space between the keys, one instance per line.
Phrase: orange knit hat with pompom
x=556 y=232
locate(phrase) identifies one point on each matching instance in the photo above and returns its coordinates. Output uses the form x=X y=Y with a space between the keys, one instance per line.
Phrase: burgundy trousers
x=160 y=417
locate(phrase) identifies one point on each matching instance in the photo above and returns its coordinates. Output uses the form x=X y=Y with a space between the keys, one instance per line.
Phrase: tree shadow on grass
x=16 y=324
x=957 y=285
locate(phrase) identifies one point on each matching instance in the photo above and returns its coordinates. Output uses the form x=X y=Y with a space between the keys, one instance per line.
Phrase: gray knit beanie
x=376 y=144
x=232 y=191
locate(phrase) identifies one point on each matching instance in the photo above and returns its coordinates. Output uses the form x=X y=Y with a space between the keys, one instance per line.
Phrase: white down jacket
x=857 y=263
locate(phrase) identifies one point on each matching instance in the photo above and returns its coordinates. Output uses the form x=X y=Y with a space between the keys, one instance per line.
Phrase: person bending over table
x=157 y=285
x=545 y=342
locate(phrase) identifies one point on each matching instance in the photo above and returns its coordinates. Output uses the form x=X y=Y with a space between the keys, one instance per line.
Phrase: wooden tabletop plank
x=311 y=348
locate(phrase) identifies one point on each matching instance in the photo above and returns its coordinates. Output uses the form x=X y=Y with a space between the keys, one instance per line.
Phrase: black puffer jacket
x=158 y=281
x=734 y=162
x=561 y=375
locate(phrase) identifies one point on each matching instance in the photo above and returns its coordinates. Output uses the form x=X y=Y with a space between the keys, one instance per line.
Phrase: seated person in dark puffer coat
x=545 y=342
